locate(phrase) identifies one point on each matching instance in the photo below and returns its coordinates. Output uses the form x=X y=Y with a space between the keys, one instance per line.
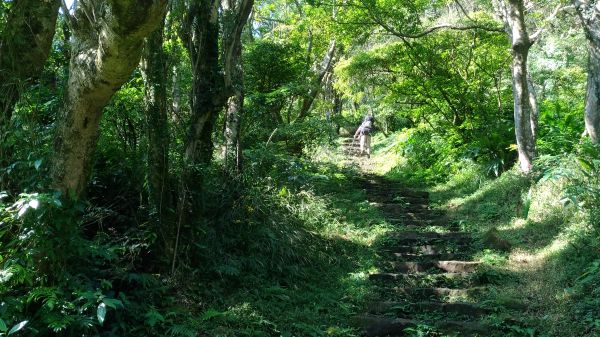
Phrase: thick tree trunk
x=107 y=43
x=235 y=16
x=523 y=110
x=201 y=36
x=154 y=71
x=589 y=13
x=525 y=102
x=325 y=67
x=24 y=47
x=592 y=101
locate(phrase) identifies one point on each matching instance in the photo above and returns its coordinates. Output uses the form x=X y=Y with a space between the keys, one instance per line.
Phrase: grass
x=309 y=286
x=294 y=257
x=542 y=260
x=540 y=253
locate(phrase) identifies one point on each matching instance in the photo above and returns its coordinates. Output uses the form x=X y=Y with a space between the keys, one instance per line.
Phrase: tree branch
x=559 y=9
x=432 y=29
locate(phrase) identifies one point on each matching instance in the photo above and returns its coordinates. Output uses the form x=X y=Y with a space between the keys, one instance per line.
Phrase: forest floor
x=365 y=252
x=427 y=281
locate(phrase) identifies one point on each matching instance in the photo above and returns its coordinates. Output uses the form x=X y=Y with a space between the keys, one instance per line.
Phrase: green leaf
x=37 y=164
x=112 y=303
x=209 y=314
x=3 y=326
x=101 y=313
x=586 y=165
x=17 y=328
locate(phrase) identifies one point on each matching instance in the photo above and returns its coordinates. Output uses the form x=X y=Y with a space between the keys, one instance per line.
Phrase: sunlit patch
x=515 y=224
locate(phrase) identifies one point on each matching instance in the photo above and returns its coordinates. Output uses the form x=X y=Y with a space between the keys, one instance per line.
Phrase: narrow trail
x=427 y=277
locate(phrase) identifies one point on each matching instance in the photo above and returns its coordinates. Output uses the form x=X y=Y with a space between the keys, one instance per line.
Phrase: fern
x=181 y=330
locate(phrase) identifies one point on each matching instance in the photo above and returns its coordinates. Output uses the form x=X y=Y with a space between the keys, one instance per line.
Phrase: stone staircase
x=426 y=278
x=351 y=147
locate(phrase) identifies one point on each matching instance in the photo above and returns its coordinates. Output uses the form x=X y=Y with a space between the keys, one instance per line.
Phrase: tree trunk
x=154 y=72
x=525 y=103
x=201 y=36
x=107 y=43
x=592 y=105
x=235 y=16
x=24 y=47
x=325 y=67
x=535 y=109
x=589 y=13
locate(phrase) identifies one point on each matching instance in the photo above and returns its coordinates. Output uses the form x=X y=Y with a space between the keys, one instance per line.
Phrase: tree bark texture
x=24 y=47
x=325 y=67
x=154 y=72
x=525 y=103
x=201 y=36
x=235 y=16
x=589 y=13
x=108 y=37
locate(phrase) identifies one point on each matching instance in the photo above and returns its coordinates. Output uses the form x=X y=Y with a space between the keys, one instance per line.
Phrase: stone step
x=396 y=192
x=382 y=326
x=412 y=216
x=417 y=225
x=446 y=266
x=427 y=257
x=456 y=308
x=409 y=210
x=425 y=249
x=403 y=276
x=437 y=292
x=396 y=200
x=412 y=212
x=414 y=208
x=416 y=236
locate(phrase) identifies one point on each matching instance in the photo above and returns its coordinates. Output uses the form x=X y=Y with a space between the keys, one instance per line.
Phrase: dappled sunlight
x=277 y=168
x=522 y=259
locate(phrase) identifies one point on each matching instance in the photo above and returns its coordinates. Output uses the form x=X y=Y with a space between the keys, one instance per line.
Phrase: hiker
x=364 y=132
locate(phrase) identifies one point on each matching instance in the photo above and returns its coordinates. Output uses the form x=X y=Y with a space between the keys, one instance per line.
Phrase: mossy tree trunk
x=589 y=13
x=24 y=47
x=107 y=42
x=154 y=72
x=235 y=15
x=200 y=34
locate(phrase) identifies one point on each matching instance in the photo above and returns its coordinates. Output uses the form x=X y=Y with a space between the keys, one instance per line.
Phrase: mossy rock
x=492 y=239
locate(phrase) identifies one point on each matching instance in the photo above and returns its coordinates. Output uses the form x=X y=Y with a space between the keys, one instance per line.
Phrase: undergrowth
x=282 y=251
x=538 y=234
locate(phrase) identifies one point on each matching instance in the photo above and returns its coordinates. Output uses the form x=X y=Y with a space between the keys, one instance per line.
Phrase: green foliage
x=284 y=248
x=443 y=87
x=270 y=66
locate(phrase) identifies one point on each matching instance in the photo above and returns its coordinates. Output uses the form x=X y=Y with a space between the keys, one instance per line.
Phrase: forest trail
x=428 y=279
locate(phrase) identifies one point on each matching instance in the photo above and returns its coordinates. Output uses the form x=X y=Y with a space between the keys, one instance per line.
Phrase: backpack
x=366 y=127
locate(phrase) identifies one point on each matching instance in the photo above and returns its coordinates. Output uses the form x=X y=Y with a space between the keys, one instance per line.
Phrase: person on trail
x=364 y=132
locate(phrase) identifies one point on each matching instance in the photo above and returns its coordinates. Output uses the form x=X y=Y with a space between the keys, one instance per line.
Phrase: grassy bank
x=308 y=233
x=537 y=236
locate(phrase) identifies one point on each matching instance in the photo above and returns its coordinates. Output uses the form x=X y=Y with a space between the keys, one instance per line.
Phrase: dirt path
x=428 y=280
